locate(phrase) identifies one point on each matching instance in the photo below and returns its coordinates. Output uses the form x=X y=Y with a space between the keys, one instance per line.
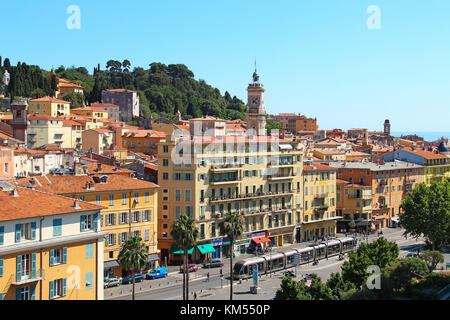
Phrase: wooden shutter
x=64 y=257
x=33 y=230
x=52 y=257
x=18 y=232
x=33 y=265
x=18 y=268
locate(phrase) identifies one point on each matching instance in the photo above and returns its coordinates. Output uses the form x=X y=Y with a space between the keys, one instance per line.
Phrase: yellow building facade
x=130 y=207
x=42 y=130
x=49 y=247
x=319 y=201
x=49 y=106
x=230 y=174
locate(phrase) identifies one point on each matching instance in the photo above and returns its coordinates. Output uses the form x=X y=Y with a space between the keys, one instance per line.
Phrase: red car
x=191 y=267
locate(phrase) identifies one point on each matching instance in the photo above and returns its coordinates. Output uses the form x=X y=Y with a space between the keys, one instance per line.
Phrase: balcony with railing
x=322 y=195
x=23 y=277
x=321 y=208
x=363 y=196
x=224 y=178
x=225 y=167
x=234 y=197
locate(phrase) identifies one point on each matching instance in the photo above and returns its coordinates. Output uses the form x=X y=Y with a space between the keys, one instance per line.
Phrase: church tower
x=256 y=113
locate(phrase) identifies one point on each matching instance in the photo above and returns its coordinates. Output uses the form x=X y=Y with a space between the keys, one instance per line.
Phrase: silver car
x=112 y=282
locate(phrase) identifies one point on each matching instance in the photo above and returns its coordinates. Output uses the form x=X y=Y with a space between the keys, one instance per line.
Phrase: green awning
x=206 y=248
x=226 y=243
x=174 y=249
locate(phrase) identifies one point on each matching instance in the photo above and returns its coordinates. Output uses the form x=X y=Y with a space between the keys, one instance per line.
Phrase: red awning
x=260 y=239
x=264 y=239
x=256 y=240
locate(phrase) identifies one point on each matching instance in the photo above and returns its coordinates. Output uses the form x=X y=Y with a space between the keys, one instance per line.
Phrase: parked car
x=156 y=273
x=191 y=267
x=213 y=263
x=112 y=282
x=138 y=277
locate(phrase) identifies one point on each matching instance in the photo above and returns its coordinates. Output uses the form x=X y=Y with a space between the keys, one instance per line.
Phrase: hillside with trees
x=163 y=89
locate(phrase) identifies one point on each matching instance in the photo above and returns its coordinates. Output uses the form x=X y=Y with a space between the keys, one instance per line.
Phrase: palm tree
x=185 y=234
x=133 y=255
x=233 y=227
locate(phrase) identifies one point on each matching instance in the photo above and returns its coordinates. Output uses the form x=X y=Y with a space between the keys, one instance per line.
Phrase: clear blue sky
x=317 y=57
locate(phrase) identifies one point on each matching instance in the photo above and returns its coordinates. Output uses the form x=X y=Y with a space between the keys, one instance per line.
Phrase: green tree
x=338 y=285
x=37 y=93
x=76 y=99
x=292 y=290
x=379 y=252
x=271 y=125
x=133 y=256
x=233 y=227
x=54 y=85
x=126 y=64
x=427 y=213
x=320 y=291
x=432 y=258
x=185 y=234
x=403 y=270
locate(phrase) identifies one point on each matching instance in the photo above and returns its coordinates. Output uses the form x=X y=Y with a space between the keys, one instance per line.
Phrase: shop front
x=281 y=237
x=203 y=252
x=176 y=255
x=221 y=248
x=111 y=269
x=240 y=247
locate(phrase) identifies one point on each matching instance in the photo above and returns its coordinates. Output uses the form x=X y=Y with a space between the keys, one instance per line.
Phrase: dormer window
x=103 y=179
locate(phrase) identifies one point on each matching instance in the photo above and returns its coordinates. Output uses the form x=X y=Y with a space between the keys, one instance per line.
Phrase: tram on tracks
x=284 y=257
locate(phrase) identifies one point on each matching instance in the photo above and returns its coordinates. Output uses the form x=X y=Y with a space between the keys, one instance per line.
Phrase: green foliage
x=403 y=270
x=75 y=98
x=37 y=93
x=292 y=290
x=320 y=291
x=432 y=258
x=380 y=253
x=338 y=285
x=427 y=213
x=270 y=125
x=163 y=89
x=361 y=294
x=133 y=254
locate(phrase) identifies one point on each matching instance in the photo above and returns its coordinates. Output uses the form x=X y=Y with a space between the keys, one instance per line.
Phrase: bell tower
x=256 y=112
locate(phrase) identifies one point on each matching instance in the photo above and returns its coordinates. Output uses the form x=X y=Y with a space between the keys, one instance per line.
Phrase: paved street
x=170 y=288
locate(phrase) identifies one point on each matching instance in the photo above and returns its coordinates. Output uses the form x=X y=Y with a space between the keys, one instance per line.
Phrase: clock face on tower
x=254 y=101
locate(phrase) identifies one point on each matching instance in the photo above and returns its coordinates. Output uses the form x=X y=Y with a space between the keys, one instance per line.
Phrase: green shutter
x=33 y=231
x=18 y=232
x=52 y=289
x=52 y=257
x=33 y=265
x=82 y=222
x=1 y=296
x=33 y=292
x=1 y=267
x=19 y=294
x=64 y=257
x=18 y=268
x=2 y=232
x=95 y=217
x=64 y=288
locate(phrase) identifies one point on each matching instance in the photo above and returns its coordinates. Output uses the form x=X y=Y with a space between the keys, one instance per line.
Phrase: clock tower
x=256 y=113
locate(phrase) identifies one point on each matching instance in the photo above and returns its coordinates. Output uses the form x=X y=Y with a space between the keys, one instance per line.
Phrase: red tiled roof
x=45 y=99
x=106 y=105
x=33 y=203
x=318 y=166
x=68 y=184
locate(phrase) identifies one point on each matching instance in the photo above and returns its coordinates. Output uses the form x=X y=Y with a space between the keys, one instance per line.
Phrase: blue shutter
x=18 y=232
x=1 y=267
x=64 y=257
x=19 y=294
x=18 y=268
x=57 y=227
x=2 y=232
x=1 y=296
x=33 y=265
x=52 y=257
x=33 y=292
x=33 y=231
x=95 y=218
x=82 y=222
x=64 y=288
x=52 y=289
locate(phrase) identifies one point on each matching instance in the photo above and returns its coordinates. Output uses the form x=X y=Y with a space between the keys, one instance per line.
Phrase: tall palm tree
x=233 y=227
x=133 y=255
x=185 y=234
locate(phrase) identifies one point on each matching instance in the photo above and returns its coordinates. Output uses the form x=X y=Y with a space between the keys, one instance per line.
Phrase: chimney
x=14 y=193
x=76 y=204
x=99 y=167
